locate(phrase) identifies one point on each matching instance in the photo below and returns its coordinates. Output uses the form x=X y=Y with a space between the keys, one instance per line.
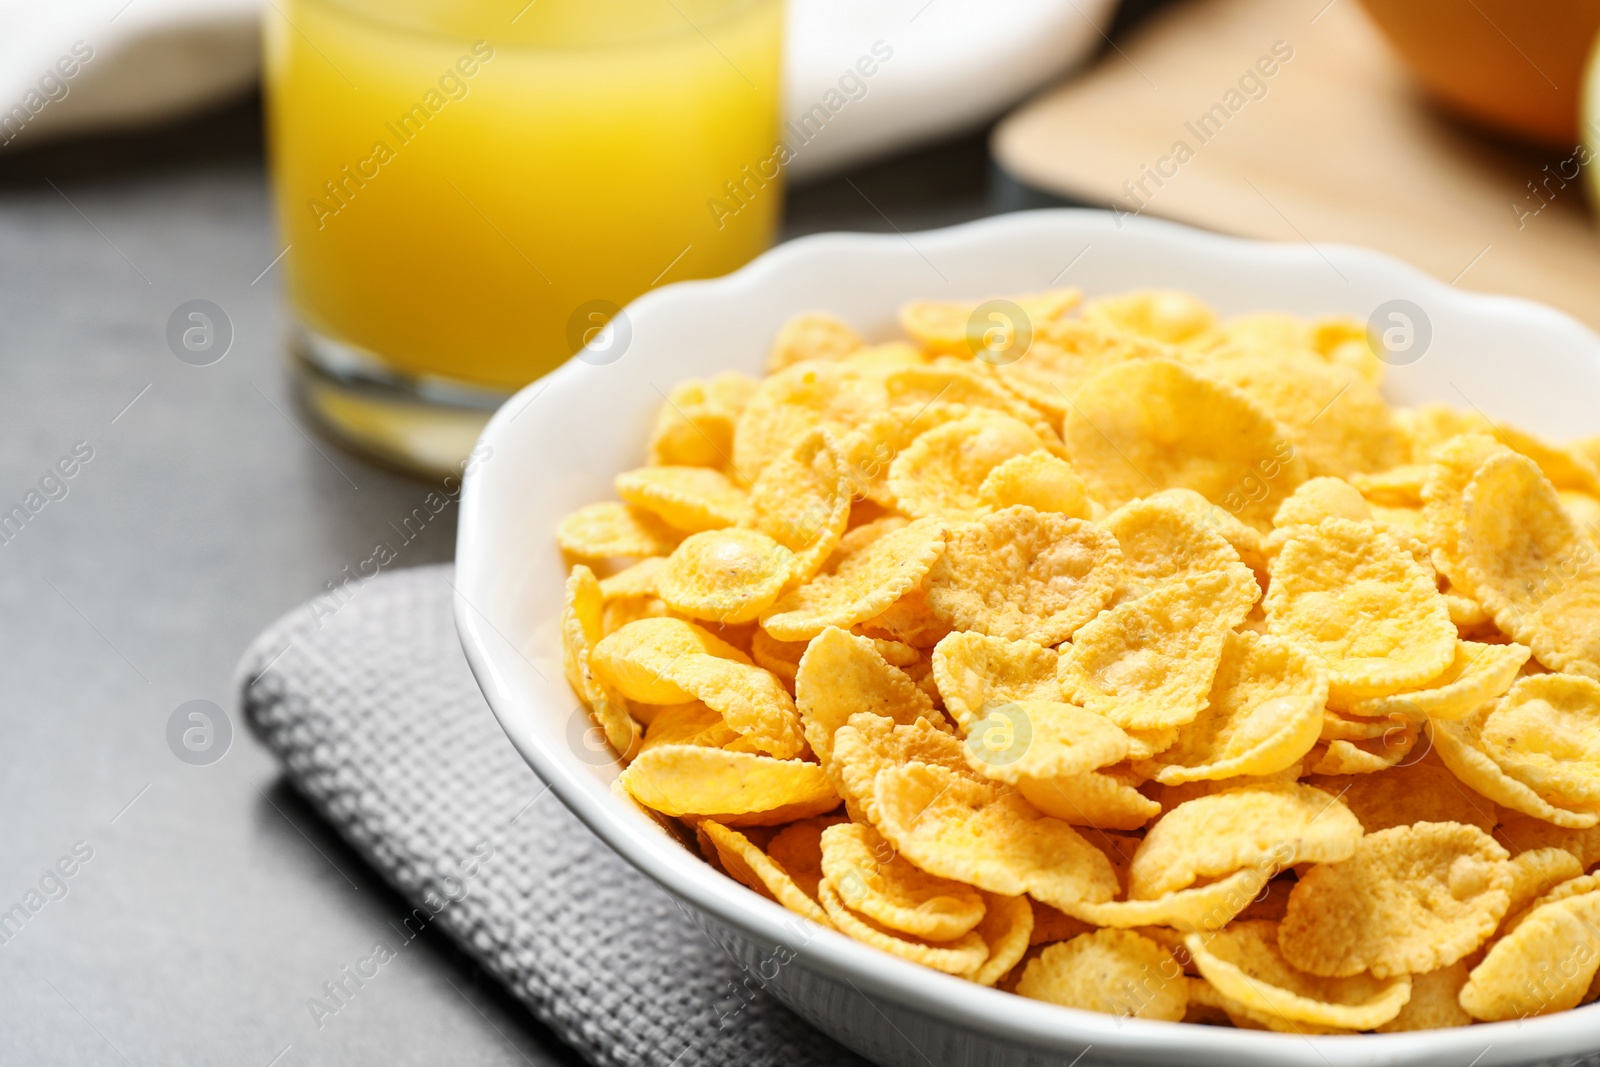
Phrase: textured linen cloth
x=379 y=723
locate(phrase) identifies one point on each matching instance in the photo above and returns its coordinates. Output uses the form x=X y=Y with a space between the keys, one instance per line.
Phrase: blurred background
x=268 y=265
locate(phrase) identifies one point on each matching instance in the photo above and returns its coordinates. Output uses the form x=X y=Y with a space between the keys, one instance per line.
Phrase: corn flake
x=940 y=473
x=1435 y=1002
x=1342 y=342
x=867 y=744
x=873 y=881
x=1544 y=965
x=960 y=384
x=1337 y=421
x=1021 y=573
x=1210 y=1008
x=1211 y=906
x=689 y=499
x=1265 y=828
x=1262 y=333
x=635 y=580
x=788 y=404
x=623 y=610
x=802 y=501
x=1170 y=317
x=988 y=836
x=1584 y=510
x=1263 y=714
x=1149 y=663
x=600 y=531
x=1352 y=595
x=1337 y=727
x=1041 y=739
x=1523 y=833
x=1151 y=424
x=860 y=584
x=1369 y=756
x=871 y=448
x=724 y=576
x=1053 y=924
x=841 y=675
x=691 y=723
x=1545 y=733
x=1037 y=480
x=957 y=328
x=1245 y=964
x=580 y=632
x=782 y=658
x=1460 y=747
x=1567 y=469
x=1428 y=429
x=1396 y=488
x=760 y=872
x=1007 y=928
x=738 y=788
x=1188 y=585
x=668 y=661
x=1530 y=566
x=1101 y=799
x=1536 y=872
x=1164 y=542
x=961 y=956
x=880 y=360
x=1423 y=791
x=973 y=669
x=1449 y=473
x=797 y=848
x=909 y=621
x=1246 y=540
x=1412 y=899
x=1321 y=498
x=1064 y=355
x=1117 y=972
x=814 y=335
x=694 y=427
x=1477 y=674
x=1572 y=887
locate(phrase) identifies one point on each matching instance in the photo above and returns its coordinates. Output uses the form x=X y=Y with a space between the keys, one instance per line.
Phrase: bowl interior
x=558 y=444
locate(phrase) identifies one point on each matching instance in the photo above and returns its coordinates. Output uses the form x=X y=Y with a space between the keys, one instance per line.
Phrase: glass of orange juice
x=469 y=189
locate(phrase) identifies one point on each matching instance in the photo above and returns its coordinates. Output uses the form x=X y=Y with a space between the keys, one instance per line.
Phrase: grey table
x=206 y=904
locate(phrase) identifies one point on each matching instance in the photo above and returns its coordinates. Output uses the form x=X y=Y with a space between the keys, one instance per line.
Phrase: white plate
x=951 y=66
x=557 y=444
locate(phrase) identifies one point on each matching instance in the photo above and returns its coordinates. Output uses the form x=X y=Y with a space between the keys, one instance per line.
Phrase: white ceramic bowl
x=558 y=443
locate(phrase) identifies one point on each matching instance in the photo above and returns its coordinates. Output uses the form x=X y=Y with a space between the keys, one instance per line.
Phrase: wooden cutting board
x=1336 y=145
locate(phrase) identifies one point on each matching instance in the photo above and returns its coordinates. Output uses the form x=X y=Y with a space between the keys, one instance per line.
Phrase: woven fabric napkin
x=379 y=723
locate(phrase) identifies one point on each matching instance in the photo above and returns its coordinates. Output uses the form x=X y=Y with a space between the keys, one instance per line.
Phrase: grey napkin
x=378 y=722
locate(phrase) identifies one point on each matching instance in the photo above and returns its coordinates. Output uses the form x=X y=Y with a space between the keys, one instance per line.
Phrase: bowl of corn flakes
x=1067 y=637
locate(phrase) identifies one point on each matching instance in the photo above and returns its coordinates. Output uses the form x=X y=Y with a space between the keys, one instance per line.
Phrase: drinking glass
x=469 y=190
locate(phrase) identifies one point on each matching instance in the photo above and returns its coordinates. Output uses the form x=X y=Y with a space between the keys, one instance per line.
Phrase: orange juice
x=467 y=188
